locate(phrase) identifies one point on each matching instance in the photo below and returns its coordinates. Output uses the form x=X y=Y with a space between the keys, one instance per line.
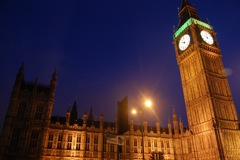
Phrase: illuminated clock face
x=184 y=42
x=206 y=36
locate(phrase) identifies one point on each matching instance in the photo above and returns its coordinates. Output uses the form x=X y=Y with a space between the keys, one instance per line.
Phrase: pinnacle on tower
x=169 y=126
x=54 y=78
x=90 y=116
x=74 y=113
x=184 y=3
x=20 y=75
x=175 y=122
x=19 y=80
x=21 y=69
x=68 y=116
x=174 y=115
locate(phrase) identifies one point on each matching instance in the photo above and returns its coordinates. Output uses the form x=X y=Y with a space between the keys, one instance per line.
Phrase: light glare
x=134 y=111
x=148 y=103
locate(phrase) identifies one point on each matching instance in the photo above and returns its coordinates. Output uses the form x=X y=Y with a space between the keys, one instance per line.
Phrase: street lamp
x=148 y=104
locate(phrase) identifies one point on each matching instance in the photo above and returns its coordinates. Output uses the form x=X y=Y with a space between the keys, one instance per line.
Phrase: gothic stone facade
x=31 y=132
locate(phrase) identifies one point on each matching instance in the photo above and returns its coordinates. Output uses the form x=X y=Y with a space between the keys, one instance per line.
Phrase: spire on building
x=74 y=113
x=90 y=115
x=21 y=69
x=19 y=80
x=175 y=122
x=68 y=116
x=169 y=126
x=68 y=110
x=184 y=3
x=20 y=75
x=186 y=12
x=54 y=79
x=174 y=115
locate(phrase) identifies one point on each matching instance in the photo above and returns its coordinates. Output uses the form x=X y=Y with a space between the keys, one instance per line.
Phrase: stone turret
x=145 y=126
x=169 y=127
x=101 y=121
x=158 y=127
x=175 y=123
x=67 y=117
x=181 y=125
x=131 y=125
x=85 y=116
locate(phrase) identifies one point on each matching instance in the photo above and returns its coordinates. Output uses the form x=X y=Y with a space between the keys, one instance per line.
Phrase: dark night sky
x=105 y=50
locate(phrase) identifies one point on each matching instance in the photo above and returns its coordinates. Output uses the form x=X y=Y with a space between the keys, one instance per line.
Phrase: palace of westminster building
x=31 y=132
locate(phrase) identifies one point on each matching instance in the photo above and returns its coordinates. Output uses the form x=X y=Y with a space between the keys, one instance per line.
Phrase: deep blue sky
x=106 y=50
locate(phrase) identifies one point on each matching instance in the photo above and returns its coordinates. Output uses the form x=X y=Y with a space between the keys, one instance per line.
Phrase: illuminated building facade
x=31 y=132
x=211 y=113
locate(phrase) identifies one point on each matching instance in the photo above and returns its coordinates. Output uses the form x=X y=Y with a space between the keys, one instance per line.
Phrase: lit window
x=59 y=145
x=155 y=143
x=135 y=142
x=50 y=140
x=78 y=142
x=69 y=143
x=149 y=143
x=95 y=143
x=88 y=142
x=127 y=141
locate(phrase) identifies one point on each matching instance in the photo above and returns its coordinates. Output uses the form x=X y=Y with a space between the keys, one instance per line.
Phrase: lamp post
x=148 y=104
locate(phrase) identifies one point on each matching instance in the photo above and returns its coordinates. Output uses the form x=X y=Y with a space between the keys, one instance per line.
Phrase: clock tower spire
x=211 y=112
x=187 y=11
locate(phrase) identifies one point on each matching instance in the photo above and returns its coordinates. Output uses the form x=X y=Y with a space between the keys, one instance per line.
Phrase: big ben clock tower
x=211 y=112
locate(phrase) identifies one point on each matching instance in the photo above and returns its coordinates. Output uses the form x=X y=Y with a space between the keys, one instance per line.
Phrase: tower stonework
x=27 y=119
x=211 y=113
